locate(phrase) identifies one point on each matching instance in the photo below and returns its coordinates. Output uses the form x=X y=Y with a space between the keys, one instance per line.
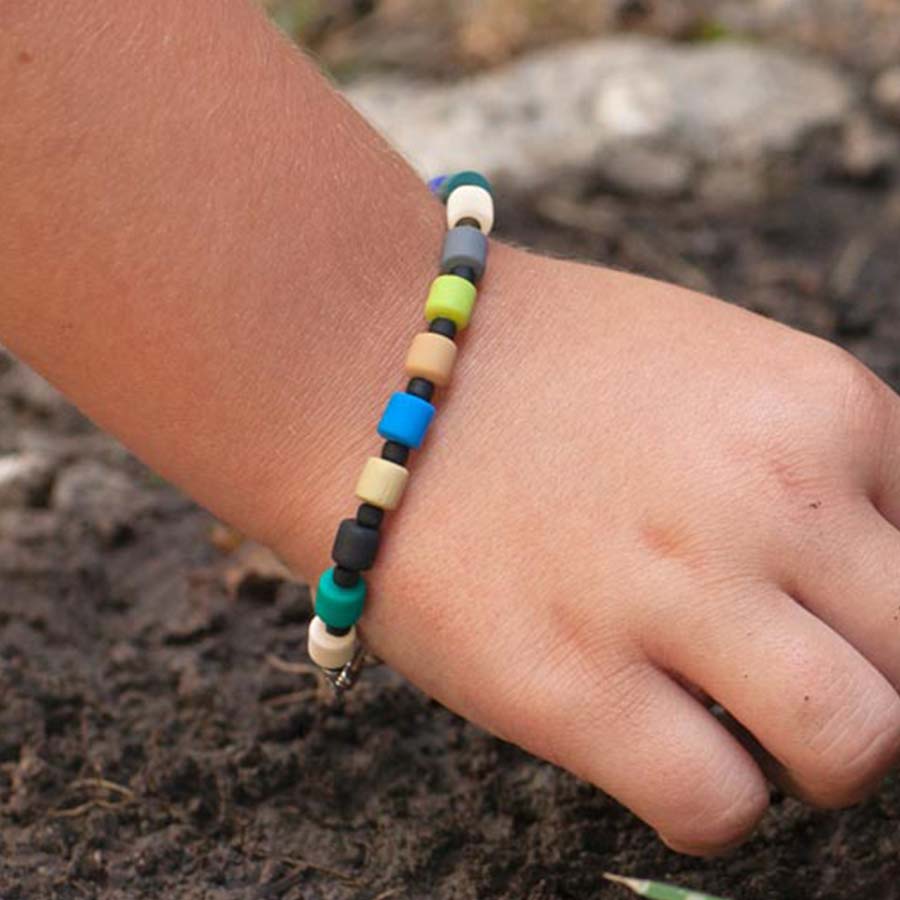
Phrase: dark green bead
x=337 y=606
x=461 y=178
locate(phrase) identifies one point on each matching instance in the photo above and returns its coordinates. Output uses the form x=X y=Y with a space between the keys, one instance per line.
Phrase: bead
x=381 y=483
x=450 y=297
x=345 y=577
x=436 y=185
x=369 y=516
x=444 y=327
x=339 y=606
x=395 y=453
x=451 y=182
x=431 y=356
x=330 y=651
x=470 y=202
x=406 y=419
x=355 y=547
x=420 y=387
x=465 y=246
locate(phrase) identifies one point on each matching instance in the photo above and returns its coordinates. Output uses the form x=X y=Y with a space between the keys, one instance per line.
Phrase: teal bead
x=337 y=606
x=461 y=178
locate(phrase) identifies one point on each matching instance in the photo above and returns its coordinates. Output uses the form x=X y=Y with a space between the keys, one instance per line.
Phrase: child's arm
x=223 y=265
x=207 y=249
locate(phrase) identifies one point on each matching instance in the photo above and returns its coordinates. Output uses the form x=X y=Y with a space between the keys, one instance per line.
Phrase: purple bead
x=435 y=184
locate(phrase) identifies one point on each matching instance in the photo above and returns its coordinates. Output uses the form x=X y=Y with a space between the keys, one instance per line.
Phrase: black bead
x=395 y=453
x=339 y=632
x=355 y=546
x=420 y=387
x=369 y=516
x=446 y=327
x=466 y=272
x=346 y=578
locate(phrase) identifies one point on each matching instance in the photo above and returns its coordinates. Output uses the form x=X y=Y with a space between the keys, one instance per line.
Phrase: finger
x=854 y=586
x=661 y=753
x=813 y=701
x=886 y=495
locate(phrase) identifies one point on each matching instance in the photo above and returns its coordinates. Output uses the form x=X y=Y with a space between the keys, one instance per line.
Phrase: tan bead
x=431 y=356
x=381 y=483
x=330 y=651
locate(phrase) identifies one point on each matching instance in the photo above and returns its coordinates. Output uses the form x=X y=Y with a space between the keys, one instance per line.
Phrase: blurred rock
x=886 y=93
x=584 y=108
x=26 y=387
x=24 y=479
x=103 y=497
x=28 y=526
x=729 y=186
x=649 y=172
x=868 y=150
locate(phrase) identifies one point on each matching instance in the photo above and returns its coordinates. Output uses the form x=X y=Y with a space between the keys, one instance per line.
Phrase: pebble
x=24 y=479
x=103 y=497
x=869 y=150
x=886 y=93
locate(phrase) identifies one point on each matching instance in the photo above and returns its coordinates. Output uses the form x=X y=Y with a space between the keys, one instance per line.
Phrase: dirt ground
x=152 y=743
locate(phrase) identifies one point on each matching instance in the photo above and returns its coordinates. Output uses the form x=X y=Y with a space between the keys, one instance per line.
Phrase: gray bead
x=464 y=246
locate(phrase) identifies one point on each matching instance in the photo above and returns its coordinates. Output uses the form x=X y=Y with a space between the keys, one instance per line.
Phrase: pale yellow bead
x=330 y=651
x=381 y=483
x=431 y=356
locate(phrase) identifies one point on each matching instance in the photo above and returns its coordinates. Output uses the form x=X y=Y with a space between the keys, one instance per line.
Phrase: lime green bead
x=461 y=178
x=338 y=606
x=450 y=297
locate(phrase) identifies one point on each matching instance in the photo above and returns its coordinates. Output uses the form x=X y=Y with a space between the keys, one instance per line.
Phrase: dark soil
x=150 y=745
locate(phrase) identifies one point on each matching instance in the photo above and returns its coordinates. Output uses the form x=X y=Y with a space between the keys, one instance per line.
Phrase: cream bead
x=469 y=201
x=431 y=356
x=381 y=483
x=330 y=651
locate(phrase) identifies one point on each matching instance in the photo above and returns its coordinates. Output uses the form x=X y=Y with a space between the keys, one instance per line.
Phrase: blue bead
x=406 y=419
x=436 y=184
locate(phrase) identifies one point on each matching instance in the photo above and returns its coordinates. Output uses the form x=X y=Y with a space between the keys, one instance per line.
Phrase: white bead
x=330 y=651
x=469 y=201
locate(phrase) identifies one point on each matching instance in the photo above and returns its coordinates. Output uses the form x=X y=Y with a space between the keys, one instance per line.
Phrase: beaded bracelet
x=341 y=591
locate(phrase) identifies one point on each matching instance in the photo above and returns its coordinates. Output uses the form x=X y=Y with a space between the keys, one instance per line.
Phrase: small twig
x=299 y=866
x=327 y=870
x=323 y=685
x=291 y=668
x=73 y=812
x=850 y=264
x=105 y=784
x=82 y=808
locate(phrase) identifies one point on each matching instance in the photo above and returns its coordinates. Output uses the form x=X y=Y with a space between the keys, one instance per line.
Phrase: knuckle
x=864 y=399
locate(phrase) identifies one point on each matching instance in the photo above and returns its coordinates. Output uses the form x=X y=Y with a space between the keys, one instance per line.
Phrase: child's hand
x=633 y=492
x=629 y=491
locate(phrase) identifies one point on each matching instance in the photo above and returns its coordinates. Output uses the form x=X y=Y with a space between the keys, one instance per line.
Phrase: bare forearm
x=205 y=247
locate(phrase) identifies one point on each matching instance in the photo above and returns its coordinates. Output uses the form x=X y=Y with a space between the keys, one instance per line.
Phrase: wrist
x=351 y=402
